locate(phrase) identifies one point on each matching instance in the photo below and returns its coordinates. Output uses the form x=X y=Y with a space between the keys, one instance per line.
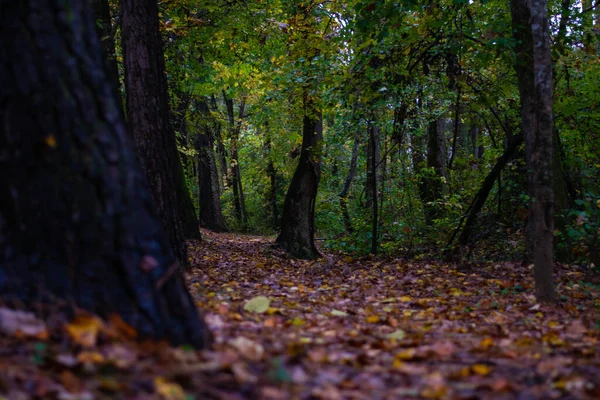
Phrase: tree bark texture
x=534 y=72
x=298 y=215
x=77 y=224
x=148 y=118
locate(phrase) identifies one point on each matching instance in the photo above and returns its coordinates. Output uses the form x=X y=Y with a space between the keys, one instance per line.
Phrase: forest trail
x=334 y=328
x=375 y=328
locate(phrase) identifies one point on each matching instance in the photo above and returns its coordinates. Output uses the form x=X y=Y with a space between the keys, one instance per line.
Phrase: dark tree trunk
x=211 y=215
x=298 y=216
x=272 y=174
x=432 y=186
x=372 y=184
x=348 y=183
x=220 y=147
x=534 y=72
x=107 y=41
x=148 y=119
x=236 y=175
x=188 y=211
x=77 y=225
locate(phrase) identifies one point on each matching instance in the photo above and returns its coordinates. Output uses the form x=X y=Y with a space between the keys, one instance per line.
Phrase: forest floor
x=335 y=328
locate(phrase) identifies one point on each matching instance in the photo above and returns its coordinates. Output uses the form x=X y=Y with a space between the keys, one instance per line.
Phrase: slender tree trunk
x=534 y=72
x=188 y=211
x=272 y=174
x=236 y=176
x=211 y=215
x=348 y=183
x=92 y=239
x=298 y=215
x=372 y=185
x=433 y=186
x=148 y=117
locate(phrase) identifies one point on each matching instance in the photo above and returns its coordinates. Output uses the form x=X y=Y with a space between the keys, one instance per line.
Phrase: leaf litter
x=335 y=328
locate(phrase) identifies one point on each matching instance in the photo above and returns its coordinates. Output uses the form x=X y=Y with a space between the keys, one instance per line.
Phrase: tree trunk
x=433 y=186
x=272 y=174
x=236 y=176
x=348 y=183
x=298 y=216
x=534 y=72
x=372 y=185
x=188 y=211
x=77 y=225
x=211 y=215
x=148 y=118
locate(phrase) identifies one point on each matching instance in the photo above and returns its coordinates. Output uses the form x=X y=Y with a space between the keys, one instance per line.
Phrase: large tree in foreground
x=149 y=123
x=77 y=226
x=534 y=72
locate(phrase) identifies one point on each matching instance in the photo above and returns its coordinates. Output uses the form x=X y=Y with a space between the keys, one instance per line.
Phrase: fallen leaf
x=248 y=349
x=258 y=304
x=84 y=329
x=167 y=390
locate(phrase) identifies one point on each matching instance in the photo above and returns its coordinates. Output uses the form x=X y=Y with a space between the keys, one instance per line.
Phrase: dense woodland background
x=421 y=146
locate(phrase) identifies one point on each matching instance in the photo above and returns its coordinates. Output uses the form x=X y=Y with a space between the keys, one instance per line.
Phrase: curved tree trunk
x=77 y=226
x=298 y=216
x=148 y=118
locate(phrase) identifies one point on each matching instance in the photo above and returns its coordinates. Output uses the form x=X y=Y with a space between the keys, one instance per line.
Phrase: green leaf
x=398 y=335
x=338 y=313
x=259 y=305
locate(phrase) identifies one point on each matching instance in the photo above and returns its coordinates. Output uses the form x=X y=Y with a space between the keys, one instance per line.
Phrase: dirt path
x=373 y=328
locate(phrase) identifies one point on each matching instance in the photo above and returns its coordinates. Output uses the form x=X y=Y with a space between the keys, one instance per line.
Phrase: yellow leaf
x=481 y=369
x=405 y=299
x=407 y=354
x=50 y=141
x=486 y=343
x=90 y=357
x=167 y=390
x=84 y=329
x=373 y=319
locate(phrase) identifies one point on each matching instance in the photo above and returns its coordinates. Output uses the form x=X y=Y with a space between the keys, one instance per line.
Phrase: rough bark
x=211 y=214
x=298 y=215
x=77 y=225
x=148 y=118
x=534 y=72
